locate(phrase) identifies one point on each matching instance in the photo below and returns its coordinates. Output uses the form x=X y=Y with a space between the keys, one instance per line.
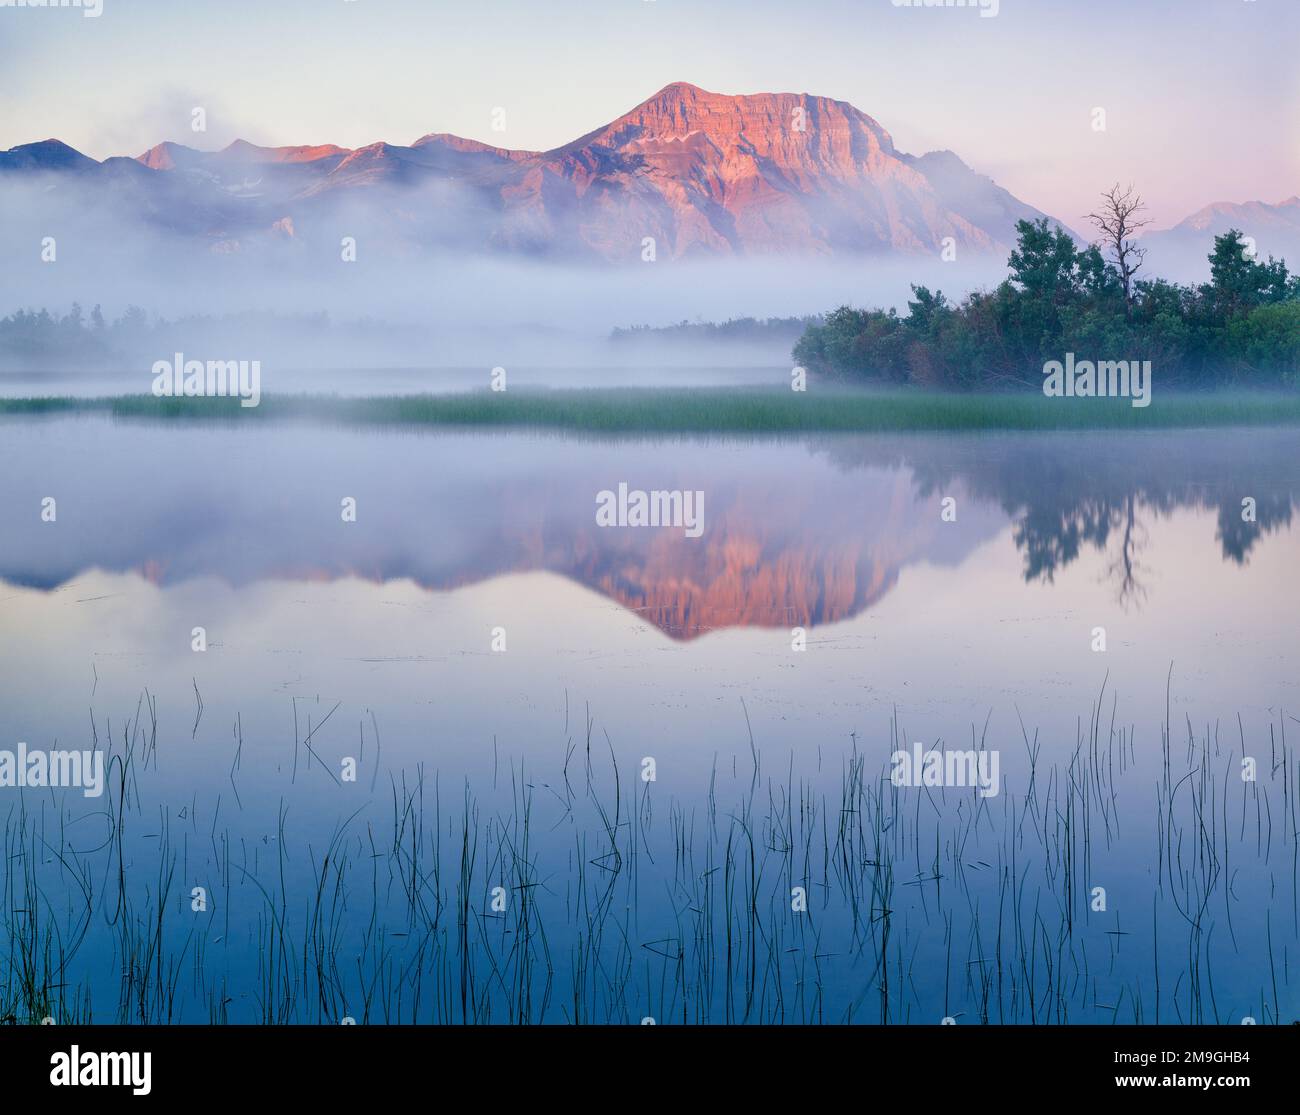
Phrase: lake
x=454 y=752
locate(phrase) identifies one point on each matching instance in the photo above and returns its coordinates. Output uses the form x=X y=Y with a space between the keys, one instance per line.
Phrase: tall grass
x=626 y=899
x=699 y=410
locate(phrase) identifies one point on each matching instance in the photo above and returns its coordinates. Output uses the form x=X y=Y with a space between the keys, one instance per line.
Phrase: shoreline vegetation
x=1239 y=330
x=702 y=410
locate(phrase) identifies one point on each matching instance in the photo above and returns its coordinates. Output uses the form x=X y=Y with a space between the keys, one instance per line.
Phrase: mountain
x=1182 y=250
x=783 y=173
x=49 y=155
x=701 y=174
x=1284 y=217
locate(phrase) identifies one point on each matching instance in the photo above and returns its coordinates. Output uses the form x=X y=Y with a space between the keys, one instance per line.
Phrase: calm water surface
x=378 y=642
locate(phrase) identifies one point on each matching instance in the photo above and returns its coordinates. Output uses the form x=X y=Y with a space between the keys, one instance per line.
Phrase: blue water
x=499 y=670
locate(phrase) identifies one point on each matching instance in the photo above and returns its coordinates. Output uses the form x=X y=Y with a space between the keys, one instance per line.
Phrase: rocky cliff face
x=774 y=173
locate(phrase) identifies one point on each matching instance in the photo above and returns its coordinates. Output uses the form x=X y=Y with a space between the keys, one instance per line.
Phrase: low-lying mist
x=295 y=298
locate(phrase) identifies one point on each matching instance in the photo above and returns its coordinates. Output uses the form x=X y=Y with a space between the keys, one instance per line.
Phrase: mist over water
x=291 y=301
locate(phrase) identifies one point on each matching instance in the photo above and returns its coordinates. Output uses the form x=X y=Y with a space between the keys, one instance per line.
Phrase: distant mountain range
x=1183 y=248
x=701 y=174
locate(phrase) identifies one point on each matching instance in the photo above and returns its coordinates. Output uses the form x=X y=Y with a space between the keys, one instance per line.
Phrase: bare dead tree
x=1118 y=221
x=1126 y=569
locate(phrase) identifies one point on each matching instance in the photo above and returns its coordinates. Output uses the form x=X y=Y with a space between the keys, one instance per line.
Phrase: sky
x=1200 y=96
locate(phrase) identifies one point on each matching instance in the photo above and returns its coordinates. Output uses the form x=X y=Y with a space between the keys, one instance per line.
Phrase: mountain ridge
x=687 y=173
x=1272 y=227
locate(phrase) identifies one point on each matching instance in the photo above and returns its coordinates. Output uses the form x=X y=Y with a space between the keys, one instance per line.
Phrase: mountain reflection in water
x=796 y=532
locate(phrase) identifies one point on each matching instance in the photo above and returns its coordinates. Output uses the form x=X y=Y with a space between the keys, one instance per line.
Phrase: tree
x=925 y=308
x=1242 y=326
x=1117 y=220
x=1239 y=282
x=1044 y=263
